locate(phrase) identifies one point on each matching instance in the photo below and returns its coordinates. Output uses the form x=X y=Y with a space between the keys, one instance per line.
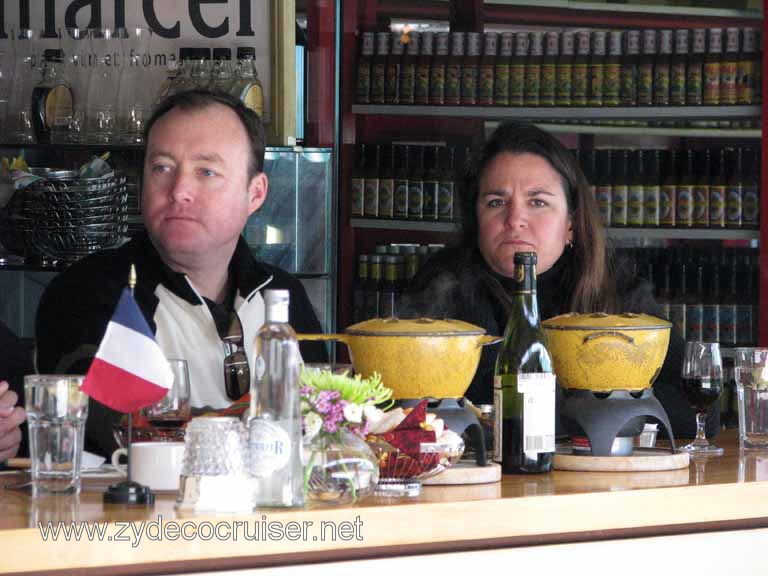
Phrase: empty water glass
x=56 y=412
x=134 y=100
x=103 y=84
x=751 y=374
x=19 y=127
x=75 y=45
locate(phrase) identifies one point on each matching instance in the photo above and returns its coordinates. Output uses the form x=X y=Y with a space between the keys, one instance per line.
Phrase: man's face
x=197 y=195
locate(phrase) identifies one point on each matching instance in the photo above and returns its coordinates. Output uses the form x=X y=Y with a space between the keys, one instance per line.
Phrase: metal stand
x=128 y=491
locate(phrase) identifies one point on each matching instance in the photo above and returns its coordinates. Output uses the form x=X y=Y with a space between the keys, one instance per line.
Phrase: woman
x=524 y=191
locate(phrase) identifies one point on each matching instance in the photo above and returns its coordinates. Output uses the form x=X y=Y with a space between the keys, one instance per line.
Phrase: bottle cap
x=276 y=297
x=246 y=53
x=525 y=258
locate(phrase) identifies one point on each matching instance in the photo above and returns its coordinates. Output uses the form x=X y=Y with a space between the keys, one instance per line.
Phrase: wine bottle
x=524 y=384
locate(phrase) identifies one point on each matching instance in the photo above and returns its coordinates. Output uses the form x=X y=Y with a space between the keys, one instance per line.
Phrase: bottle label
x=421 y=90
x=619 y=205
x=431 y=188
x=694 y=322
x=677 y=84
x=717 y=206
x=667 y=205
x=516 y=84
x=612 y=86
x=603 y=196
x=579 y=86
x=453 y=84
x=253 y=98
x=711 y=323
x=532 y=84
x=728 y=324
x=415 y=199
x=469 y=78
x=684 y=215
x=407 y=83
x=701 y=206
x=694 y=82
x=629 y=85
x=564 y=84
x=661 y=86
x=378 y=72
x=596 y=80
x=501 y=85
x=733 y=206
x=750 y=210
x=357 y=196
x=645 y=84
x=445 y=200
x=269 y=448
x=392 y=84
x=485 y=85
x=636 y=203
x=651 y=206
x=728 y=71
x=745 y=87
x=401 y=199
x=371 y=198
x=386 y=198
x=437 y=84
x=711 y=83
x=363 y=92
x=538 y=392
x=548 y=84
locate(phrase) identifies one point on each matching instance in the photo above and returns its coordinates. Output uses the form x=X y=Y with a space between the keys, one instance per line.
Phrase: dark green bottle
x=524 y=384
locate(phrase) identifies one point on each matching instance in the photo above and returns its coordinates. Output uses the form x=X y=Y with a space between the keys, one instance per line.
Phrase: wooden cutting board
x=643 y=460
x=466 y=473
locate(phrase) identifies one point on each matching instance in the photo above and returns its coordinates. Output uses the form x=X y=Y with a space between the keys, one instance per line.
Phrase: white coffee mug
x=154 y=464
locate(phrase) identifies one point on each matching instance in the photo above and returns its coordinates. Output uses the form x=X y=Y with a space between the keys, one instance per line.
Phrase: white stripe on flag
x=135 y=353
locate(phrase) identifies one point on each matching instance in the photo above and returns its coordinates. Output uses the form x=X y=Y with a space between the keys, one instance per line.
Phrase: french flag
x=130 y=370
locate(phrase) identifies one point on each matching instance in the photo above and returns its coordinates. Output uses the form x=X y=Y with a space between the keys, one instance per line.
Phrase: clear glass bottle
x=222 y=75
x=274 y=417
x=52 y=100
x=524 y=383
x=247 y=87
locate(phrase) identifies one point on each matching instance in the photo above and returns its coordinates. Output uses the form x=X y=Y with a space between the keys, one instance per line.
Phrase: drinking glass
x=751 y=374
x=702 y=385
x=174 y=410
x=134 y=100
x=103 y=84
x=75 y=45
x=19 y=127
x=56 y=412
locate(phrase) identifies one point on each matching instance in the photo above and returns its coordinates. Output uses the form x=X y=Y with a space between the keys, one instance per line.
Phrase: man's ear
x=257 y=192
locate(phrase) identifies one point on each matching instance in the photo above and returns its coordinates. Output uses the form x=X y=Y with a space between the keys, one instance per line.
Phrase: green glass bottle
x=524 y=383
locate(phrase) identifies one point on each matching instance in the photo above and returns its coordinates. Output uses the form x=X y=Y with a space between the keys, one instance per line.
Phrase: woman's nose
x=516 y=215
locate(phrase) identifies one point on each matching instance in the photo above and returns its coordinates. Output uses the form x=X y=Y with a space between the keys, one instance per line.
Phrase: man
x=197 y=280
x=15 y=361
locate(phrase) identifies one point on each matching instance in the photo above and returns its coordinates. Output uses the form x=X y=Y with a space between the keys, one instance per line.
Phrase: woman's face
x=521 y=207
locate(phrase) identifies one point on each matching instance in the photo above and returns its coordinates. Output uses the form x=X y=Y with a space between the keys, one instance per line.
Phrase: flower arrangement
x=331 y=403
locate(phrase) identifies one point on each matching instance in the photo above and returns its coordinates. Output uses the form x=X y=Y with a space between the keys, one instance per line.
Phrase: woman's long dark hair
x=588 y=259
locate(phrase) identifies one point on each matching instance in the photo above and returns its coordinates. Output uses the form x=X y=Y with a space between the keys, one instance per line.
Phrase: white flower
x=312 y=424
x=353 y=413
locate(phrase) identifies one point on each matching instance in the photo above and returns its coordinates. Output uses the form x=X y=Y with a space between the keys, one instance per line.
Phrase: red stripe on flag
x=119 y=389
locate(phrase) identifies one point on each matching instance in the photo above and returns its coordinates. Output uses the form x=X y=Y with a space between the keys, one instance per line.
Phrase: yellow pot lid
x=414 y=327
x=603 y=321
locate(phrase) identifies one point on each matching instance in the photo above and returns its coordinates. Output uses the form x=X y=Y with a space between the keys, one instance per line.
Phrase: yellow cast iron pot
x=416 y=358
x=604 y=352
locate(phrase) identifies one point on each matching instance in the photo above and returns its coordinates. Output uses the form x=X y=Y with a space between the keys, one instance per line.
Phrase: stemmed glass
x=174 y=410
x=702 y=385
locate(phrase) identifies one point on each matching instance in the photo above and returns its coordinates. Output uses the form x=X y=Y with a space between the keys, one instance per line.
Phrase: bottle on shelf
x=394 y=64
x=274 y=418
x=717 y=189
x=549 y=69
x=580 y=81
x=597 y=69
x=565 y=70
x=390 y=288
x=679 y=271
x=734 y=199
x=668 y=191
x=446 y=192
x=364 y=63
x=408 y=68
x=359 y=311
x=470 y=70
x=744 y=318
x=223 y=74
x=645 y=69
x=612 y=77
x=371 y=183
x=661 y=69
x=702 y=169
x=678 y=69
x=694 y=77
x=751 y=190
x=629 y=68
x=747 y=68
x=421 y=89
x=524 y=383
x=387 y=183
x=502 y=69
x=453 y=69
x=664 y=293
x=517 y=69
x=729 y=67
x=373 y=287
x=357 y=184
x=379 y=69
x=402 y=173
x=652 y=188
x=730 y=291
x=52 y=100
x=431 y=184
x=712 y=60
x=248 y=86
x=416 y=184
x=711 y=304
x=485 y=84
x=620 y=188
x=532 y=89
x=603 y=183
x=694 y=304
x=200 y=76
x=684 y=191
x=636 y=189
x=437 y=70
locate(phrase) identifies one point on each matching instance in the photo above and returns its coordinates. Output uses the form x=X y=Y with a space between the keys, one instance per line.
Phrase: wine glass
x=702 y=385
x=174 y=410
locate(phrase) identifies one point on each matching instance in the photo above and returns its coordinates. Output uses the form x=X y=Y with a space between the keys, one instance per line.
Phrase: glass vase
x=339 y=469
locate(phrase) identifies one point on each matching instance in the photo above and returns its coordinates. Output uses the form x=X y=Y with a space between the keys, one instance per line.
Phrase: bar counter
x=710 y=498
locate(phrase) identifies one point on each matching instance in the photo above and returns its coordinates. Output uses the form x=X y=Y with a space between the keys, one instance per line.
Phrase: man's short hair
x=193 y=100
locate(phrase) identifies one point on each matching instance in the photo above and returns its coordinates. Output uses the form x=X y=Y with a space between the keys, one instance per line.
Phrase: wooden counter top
x=722 y=493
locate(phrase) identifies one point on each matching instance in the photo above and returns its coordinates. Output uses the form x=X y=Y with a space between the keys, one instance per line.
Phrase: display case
x=294 y=229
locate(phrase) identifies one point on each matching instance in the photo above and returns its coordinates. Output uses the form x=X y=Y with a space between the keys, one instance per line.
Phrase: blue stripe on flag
x=129 y=315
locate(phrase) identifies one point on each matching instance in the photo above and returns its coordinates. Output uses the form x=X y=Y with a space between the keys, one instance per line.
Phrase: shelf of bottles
x=703 y=79
x=631 y=7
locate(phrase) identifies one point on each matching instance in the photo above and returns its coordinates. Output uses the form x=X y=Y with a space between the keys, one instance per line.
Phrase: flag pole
x=128 y=491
